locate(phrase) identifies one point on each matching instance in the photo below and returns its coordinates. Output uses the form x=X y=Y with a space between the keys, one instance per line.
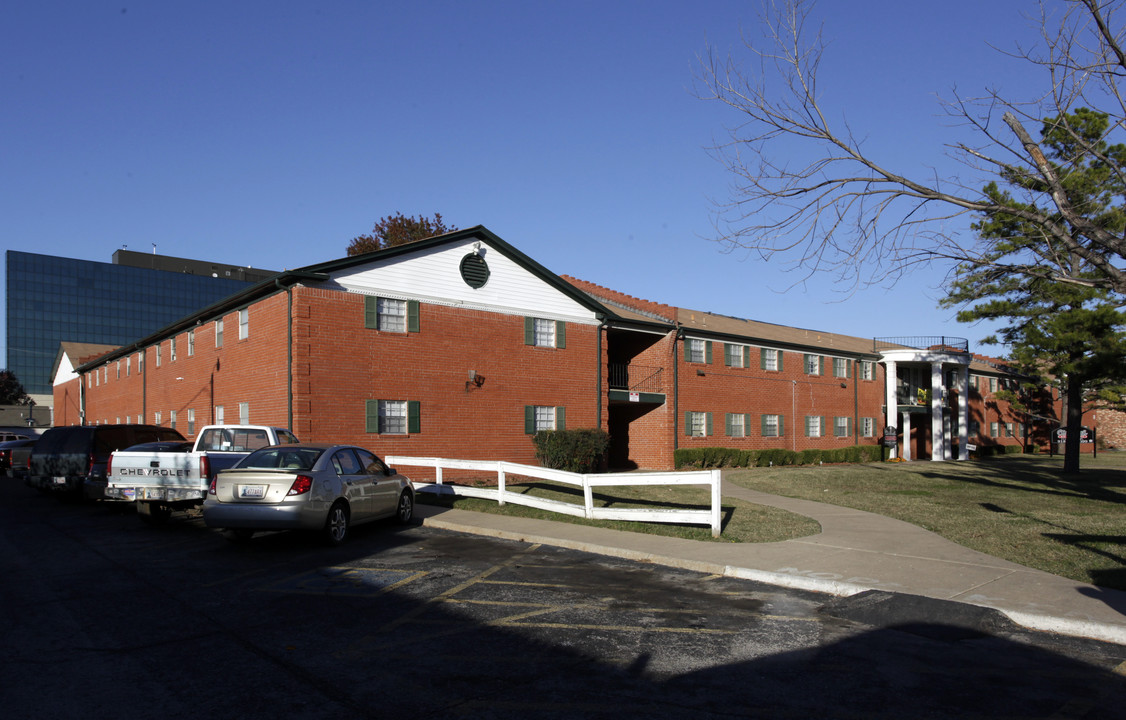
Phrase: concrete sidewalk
x=855 y=551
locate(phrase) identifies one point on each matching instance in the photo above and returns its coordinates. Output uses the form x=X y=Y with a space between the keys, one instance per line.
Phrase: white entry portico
x=924 y=375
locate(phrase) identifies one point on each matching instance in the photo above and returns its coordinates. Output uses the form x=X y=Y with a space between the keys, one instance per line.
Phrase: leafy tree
x=1070 y=334
x=11 y=390
x=398 y=229
x=848 y=212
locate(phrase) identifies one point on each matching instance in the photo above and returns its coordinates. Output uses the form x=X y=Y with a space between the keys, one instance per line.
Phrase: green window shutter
x=560 y=334
x=371 y=315
x=414 y=421
x=747 y=425
x=560 y=418
x=746 y=356
x=780 y=355
x=781 y=426
x=762 y=358
x=687 y=352
x=708 y=352
x=529 y=331
x=726 y=354
x=820 y=364
x=807 y=428
x=824 y=432
x=708 y=424
x=727 y=424
x=762 y=425
x=849 y=428
x=529 y=420
x=688 y=424
x=412 y=315
x=371 y=416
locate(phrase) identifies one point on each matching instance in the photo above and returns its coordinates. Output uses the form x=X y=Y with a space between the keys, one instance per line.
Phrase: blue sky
x=270 y=133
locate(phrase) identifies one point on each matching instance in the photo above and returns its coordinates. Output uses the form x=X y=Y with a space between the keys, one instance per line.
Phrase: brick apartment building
x=462 y=346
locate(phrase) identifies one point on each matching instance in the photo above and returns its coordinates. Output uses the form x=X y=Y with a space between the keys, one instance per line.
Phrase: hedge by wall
x=578 y=451
x=718 y=457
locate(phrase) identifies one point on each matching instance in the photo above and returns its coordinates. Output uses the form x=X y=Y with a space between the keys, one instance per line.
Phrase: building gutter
x=288 y=351
x=677 y=339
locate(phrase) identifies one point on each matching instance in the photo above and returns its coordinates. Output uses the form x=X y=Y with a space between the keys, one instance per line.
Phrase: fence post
x=500 y=483
x=588 y=497
x=437 y=473
x=717 y=502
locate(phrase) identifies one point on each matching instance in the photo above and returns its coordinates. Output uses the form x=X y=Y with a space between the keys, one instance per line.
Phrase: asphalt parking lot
x=108 y=618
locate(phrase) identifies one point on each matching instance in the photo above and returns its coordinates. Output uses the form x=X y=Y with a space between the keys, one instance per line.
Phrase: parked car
x=323 y=488
x=72 y=459
x=162 y=479
x=8 y=437
x=14 y=455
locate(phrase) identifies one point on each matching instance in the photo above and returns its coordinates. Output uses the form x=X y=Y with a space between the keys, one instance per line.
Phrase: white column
x=963 y=412
x=906 y=420
x=891 y=414
x=939 y=442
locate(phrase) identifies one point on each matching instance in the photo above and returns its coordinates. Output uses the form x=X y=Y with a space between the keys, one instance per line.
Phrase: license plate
x=129 y=493
x=60 y=480
x=252 y=491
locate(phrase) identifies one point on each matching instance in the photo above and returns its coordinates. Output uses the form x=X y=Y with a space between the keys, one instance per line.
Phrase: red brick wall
x=719 y=389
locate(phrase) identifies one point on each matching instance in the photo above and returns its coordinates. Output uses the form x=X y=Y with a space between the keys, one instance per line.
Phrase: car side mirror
x=391 y=471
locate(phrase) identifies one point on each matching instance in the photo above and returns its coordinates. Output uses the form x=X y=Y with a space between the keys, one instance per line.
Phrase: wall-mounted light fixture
x=474 y=379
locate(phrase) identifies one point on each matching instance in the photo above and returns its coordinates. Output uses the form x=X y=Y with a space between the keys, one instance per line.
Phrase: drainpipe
x=678 y=337
x=856 y=402
x=598 y=391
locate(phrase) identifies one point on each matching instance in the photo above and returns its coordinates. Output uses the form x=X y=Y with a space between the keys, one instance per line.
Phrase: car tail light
x=4 y=455
x=301 y=485
x=109 y=466
x=90 y=464
x=204 y=467
x=211 y=488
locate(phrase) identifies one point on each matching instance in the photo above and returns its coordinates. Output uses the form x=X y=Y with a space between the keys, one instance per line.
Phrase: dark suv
x=72 y=459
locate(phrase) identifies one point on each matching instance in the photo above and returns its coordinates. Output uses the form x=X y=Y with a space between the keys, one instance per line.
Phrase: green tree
x=11 y=390
x=1069 y=334
x=398 y=229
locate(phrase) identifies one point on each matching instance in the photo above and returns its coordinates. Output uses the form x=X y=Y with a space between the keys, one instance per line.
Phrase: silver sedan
x=325 y=488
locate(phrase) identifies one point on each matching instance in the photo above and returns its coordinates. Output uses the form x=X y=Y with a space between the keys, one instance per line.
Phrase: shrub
x=579 y=451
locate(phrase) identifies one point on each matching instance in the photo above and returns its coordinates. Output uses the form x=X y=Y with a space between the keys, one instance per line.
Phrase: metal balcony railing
x=637 y=378
x=936 y=343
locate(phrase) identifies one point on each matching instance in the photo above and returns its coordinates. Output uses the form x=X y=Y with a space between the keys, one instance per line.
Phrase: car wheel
x=238 y=535
x=153 y=513
x=405 y=511
x=336 y=524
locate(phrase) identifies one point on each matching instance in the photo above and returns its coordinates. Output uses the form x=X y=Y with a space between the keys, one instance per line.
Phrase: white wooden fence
x=587 y=482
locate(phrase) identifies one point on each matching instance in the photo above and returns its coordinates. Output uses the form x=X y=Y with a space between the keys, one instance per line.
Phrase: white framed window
x=244 y=413
x=736 y=425
x=191 y=422
x=994 y=429
x=867 y=370
x=118 y=370
x=172 y=350
x=840 y=368
x=128 y=366
x=172 y=419
x=191 y=343
x=1008 y=430
x=842 y=426
x=393 y=417
x=772 y=425
x=244 y=323
x=391 y=315
x=735 y=355
x=158 y=354
x=770 y=359
x=539 y=418
x=813 y=364
x=813 y=426
x=544 y=332
x=868 y=427
x=696 y=424
x=219 y=415
x=157 y=417
x=141 y=361
x=219 y=333
x=992 y=384
x=697 y=350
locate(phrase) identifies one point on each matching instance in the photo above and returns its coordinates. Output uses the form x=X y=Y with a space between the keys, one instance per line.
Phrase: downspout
x=678 y=337
x=599 y=395
x=144 y=384
x=856 y=402
x=288 y=353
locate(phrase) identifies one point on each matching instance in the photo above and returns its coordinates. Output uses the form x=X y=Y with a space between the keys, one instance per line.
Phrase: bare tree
x=847 y=213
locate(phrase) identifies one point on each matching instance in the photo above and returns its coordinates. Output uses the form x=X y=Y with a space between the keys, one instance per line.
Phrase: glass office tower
x=54 y=299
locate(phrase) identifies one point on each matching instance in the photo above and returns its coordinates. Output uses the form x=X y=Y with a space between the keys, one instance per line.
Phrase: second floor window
x=697 y=351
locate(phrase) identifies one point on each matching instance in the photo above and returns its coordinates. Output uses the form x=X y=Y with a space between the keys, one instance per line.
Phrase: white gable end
x=66 y=371
x=434 y=276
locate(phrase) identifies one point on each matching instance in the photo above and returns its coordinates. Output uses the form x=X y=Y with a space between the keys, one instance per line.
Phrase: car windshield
x=283 y=458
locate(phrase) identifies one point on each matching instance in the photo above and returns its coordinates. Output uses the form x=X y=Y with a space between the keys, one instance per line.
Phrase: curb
x=1043 y=623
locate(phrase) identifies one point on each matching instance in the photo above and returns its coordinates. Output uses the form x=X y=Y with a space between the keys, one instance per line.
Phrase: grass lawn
x=742 y=521
x=1018 y=507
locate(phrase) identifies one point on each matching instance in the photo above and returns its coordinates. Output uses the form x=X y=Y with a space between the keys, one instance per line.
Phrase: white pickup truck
x=162 y=477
